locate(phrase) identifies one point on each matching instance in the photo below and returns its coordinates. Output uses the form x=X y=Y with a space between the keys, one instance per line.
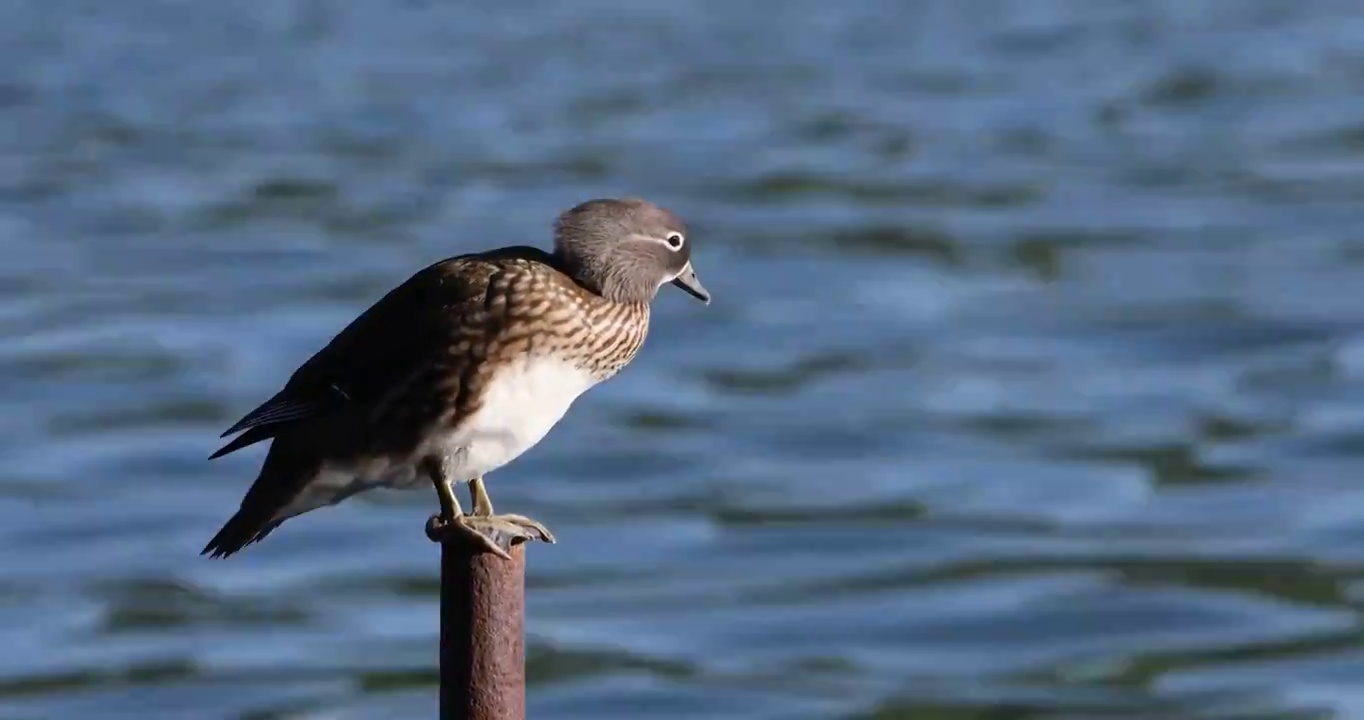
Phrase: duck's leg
x=483 y=508
x=494 y=533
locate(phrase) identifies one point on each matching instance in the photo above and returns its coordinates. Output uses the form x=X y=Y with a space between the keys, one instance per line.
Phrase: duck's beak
x=687 y=281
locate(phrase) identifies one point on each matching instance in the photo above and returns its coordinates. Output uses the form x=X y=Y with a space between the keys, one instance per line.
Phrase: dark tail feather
x=288 y=467
x=250 y=437
x=241 y=530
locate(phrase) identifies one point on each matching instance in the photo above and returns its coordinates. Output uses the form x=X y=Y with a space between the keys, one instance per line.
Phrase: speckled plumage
x=412 y=378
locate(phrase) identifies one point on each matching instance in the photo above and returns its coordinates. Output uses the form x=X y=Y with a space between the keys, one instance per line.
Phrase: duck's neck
x=610 y=280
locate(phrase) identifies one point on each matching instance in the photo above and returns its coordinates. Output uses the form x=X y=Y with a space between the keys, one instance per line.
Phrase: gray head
x=625 y=249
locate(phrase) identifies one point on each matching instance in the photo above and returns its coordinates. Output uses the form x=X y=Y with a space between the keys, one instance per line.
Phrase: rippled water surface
x=1033 y=386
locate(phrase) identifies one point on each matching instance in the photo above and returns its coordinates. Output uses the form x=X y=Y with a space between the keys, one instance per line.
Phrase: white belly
x=523 y=402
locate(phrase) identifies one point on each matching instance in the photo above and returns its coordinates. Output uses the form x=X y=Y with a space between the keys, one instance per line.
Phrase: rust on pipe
x=482 y=633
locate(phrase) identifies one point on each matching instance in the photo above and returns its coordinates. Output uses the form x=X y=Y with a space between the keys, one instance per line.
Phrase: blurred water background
x=1033 y=386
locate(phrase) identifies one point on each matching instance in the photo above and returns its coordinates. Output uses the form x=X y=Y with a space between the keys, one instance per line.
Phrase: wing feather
x=378 y=349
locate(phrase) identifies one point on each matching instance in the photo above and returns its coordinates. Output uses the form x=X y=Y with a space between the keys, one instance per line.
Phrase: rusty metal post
x=482 y=633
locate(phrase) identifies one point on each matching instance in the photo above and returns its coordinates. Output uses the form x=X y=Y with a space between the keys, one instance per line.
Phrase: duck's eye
x=674 y=241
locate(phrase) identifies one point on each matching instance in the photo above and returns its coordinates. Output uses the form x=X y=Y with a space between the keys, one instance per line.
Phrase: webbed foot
x=493 y=533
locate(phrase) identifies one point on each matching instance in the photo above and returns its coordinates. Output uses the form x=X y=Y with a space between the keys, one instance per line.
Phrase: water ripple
x=1030 y=390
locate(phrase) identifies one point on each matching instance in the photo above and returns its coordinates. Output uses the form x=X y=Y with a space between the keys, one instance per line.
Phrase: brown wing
x=377 y=349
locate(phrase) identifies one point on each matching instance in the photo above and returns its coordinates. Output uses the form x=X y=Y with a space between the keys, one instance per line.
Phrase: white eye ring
x=675 y=241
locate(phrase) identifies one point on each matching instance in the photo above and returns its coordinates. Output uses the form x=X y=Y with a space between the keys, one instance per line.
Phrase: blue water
x=1033 y=386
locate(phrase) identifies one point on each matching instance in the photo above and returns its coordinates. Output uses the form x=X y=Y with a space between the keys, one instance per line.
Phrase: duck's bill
x=688 y=282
